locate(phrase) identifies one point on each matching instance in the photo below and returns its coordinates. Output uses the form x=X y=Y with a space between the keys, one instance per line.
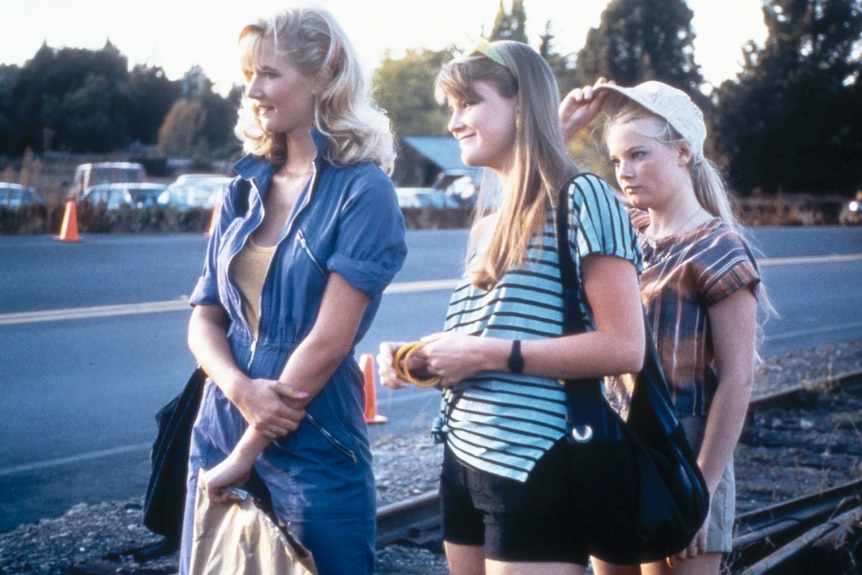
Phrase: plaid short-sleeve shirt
x=683 y=276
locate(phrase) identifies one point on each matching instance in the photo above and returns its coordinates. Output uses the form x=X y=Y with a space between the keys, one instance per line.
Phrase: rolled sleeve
x=740 y=275
x=370 y=249
x=603 y=226
x=724 y=265
x=205 y=292
x=370 y=277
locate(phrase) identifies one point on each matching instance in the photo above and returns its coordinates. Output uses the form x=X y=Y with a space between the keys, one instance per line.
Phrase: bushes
x=790 y=210
x=781 y=210
x=37 y=219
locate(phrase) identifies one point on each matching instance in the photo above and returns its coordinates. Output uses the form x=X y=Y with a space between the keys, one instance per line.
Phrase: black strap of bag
x=642 y=494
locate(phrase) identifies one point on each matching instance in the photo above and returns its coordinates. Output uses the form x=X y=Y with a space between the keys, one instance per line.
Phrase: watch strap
x=516 y=360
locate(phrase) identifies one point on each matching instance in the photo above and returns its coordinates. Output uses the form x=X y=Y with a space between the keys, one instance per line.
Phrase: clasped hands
x=272 y=407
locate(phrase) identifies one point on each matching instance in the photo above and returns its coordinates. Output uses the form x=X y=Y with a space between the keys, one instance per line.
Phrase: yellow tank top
x=248 y=270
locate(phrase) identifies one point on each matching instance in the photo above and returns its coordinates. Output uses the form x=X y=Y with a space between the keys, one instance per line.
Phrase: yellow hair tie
x=401 y=361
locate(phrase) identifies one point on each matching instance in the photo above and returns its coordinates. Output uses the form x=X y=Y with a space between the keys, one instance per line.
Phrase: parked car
x=145 y=194
x=111 y=197
x=93 y=174
x=195 y=190
x=409 y=197
x=16 y=195
x=134 y=195
x=851 y=213
x=451 y=190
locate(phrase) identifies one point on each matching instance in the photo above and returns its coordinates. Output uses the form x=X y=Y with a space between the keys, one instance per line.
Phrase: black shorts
x=513 y=521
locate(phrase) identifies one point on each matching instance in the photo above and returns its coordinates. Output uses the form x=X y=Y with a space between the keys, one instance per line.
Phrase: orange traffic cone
x=366 y=364
x=69 y=229
x=214 y=219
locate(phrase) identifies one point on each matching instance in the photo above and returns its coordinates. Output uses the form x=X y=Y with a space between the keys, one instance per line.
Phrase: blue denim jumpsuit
x=320 y=477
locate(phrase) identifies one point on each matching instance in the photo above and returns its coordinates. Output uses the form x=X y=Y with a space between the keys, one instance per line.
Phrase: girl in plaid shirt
x=700 y=285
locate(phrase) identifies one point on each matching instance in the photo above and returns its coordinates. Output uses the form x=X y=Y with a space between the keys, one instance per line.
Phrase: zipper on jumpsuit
x=323 y=431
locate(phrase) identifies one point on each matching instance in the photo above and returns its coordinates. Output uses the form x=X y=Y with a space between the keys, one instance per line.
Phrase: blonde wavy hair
x=542 y=164
x=344 y=112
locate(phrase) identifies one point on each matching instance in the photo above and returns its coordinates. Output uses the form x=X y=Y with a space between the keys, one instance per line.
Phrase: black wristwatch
x=516 y=360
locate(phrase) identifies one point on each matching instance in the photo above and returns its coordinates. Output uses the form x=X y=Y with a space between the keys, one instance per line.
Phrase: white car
x=134 y=195
x=195 y=191
x=16 y=195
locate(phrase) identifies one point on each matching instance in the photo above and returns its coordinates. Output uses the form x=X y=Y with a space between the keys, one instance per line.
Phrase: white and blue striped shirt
x=500 y=422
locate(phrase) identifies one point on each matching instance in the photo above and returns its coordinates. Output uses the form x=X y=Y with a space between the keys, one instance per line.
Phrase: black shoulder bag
x=641 y=494
x=165 y=498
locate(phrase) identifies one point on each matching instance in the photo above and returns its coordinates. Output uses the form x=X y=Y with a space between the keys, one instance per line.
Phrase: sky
x=178 y=34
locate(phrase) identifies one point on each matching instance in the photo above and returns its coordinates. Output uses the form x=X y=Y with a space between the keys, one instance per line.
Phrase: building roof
x=442 y=151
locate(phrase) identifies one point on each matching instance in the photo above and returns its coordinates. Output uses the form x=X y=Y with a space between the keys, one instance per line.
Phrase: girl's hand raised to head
x=580 y=107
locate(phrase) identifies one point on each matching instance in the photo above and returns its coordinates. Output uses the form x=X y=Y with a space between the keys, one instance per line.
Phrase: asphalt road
x=92 y=343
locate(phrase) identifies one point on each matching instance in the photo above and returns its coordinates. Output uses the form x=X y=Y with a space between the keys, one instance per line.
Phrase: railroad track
x=768 y=537
x=772 y=537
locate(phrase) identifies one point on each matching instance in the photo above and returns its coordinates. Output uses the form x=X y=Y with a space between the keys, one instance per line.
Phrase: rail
x=767 y=538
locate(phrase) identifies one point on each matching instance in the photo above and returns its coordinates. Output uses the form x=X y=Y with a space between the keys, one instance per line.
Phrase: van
x=91 y=174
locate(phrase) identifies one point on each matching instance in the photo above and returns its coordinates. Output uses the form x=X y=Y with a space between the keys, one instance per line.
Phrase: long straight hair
x=313 y=41
x=542 y=163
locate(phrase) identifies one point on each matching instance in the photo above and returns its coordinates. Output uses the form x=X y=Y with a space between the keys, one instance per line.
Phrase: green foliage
x=151 y=96
x=640 y=40
x=11 y=125
x=510 y=25
x=53 y=92
x=568 y=77
x=636 y=41
x=91 y=117
x=85 y=101
x=405 y=89
x=180 y=134
x=792 y=120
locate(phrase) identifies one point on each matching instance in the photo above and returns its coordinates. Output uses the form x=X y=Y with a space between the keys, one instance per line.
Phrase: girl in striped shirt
x=507 y=496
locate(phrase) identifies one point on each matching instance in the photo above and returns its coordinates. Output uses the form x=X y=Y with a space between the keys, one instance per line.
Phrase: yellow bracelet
x=401 y=361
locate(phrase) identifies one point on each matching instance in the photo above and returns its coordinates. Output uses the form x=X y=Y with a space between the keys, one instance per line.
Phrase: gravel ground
x=92 y=539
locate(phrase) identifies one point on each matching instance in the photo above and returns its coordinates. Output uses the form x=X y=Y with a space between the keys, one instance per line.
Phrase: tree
x=91 y=118
x=218 y=114
x=10 y=119
x=564 y=70
x=640 y=40
x=70 y=92
x=405 y=89
x=510 y=25
x=792 y=120
x=636 y=41
x=151 y=96
x=180 y=133
x=221 y=116
x=88 y=101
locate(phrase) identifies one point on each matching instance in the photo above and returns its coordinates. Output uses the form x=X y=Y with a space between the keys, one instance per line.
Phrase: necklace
x=309 y=168
x=681 y=227
x=297 y=174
